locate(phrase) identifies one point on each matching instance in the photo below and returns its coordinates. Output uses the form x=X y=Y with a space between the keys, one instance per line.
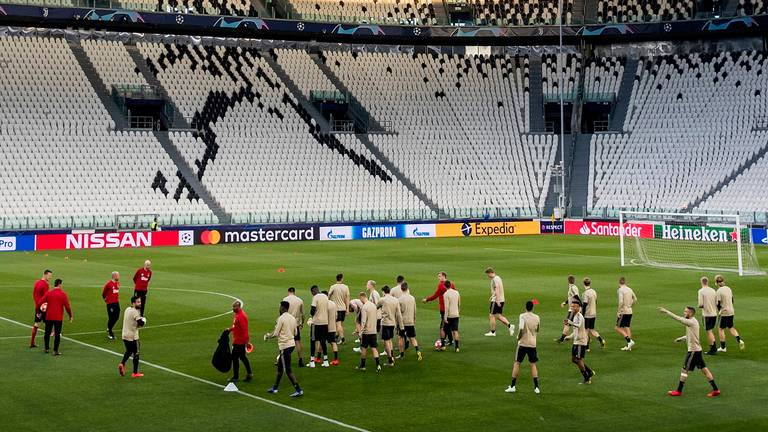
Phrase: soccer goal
x=687 y=240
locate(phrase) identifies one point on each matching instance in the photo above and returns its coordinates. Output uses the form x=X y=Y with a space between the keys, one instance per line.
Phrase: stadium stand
x=67 y=165
x=751 y=7
x=571 y=72
x=745 y=193
x=520 y=12
x=464 y=117
x=690 y=126
x=603 y=76
x=414 y=12
x=621 y=11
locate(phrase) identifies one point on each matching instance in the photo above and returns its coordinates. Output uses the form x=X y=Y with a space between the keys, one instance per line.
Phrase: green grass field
x=81 y=390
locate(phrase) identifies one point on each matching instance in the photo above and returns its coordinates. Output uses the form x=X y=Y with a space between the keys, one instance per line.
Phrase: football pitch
x=189 y=304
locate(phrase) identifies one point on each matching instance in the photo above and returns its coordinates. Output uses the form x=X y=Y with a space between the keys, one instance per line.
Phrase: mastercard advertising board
x=488 y=229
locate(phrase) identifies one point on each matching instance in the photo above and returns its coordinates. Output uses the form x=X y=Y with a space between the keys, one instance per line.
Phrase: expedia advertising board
x=256 y=235
x=488 y=229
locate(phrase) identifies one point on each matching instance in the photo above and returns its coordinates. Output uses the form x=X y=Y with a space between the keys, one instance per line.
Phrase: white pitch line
x=551 y=253
x=159 y=325
x=204 y=381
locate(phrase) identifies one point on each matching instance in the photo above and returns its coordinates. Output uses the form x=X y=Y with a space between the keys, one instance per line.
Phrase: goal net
x=685 y=240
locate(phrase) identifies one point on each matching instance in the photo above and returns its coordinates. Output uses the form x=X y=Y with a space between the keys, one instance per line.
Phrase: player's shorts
x=624 y=320
x=694 y=360
x=330 y=337
x=709 y=322
x=408 y=331
x=726 y=322
x=453 y=324
x=494 y=308
x=523 y=352
x=39 y=316
x=285 y=359
x=589 y=323
x=131 y=346
x=579 y=351
x=378 y=326
x=341 y=315
x=368 y=341
x=320 y=332
x=387 y=333
x=297 y=338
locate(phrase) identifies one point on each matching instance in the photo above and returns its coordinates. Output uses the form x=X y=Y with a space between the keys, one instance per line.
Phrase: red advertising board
x=101 y=240
x=601 y=228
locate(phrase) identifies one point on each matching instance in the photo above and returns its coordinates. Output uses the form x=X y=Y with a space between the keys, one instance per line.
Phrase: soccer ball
x=43 y=307
x=438 y=344
x=141 y=322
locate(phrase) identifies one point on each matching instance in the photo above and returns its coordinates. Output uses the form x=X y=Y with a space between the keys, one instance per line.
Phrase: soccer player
x=132 y=320
x=497 y=304
x=56 y=301
x=580 y=340
x=627 y=299
x=331 y=337
x=438 y=294
x=452 y=307
x=707 y=301
x=397 y=291
x=286 y=329
x=693 y=359
x=319 y=312
x=296 y=309
x=374 y=297
x=368 y=314
x=339 y=294
x=141 y=283
x=391 y=318
x=573 y=294
x=355 y=305
x=111 y=295
x=526 y=346
x=590 y=312
x=41 y=287
x=408 y=311
x=239 y=332
x=725 y=306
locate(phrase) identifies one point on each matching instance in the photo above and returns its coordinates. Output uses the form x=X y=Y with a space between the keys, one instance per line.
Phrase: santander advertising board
x=600 y=228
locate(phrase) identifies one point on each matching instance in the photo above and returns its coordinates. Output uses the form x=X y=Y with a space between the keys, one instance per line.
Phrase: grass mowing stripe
x=204 y=381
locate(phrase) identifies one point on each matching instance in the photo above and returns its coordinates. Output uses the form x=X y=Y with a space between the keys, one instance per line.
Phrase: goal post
x=687 y=241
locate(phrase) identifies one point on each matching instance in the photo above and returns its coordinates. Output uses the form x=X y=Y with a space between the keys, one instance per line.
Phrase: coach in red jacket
x=56 y=301
x=111 y=295
x=438 y=294
x=239 y=331
x=141 y=284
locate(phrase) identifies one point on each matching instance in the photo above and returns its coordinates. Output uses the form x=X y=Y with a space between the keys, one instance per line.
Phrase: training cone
x=231 y=387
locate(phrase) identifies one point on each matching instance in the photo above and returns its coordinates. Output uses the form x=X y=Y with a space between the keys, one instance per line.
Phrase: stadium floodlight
x=687 y=240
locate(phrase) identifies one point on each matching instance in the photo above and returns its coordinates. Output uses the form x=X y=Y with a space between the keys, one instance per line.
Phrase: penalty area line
x=204 y=381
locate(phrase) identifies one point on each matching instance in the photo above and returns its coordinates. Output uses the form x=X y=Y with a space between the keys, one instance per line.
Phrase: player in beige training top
x=285 y=331
x=339 y=294
x=573 y=294
x=452 y=301
x=408 y=311
x=368 y=318
x=397 y=291
x=319 y=312
x=707 y=301
x=580 y=339
x=391 y=320
x=496 y=307
x=725 y=306
x=693 y=359
x=526 y=346
x=590 y=311
x=296 y=309
x=331 y=339
x=627 y=299
x=374 y=297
